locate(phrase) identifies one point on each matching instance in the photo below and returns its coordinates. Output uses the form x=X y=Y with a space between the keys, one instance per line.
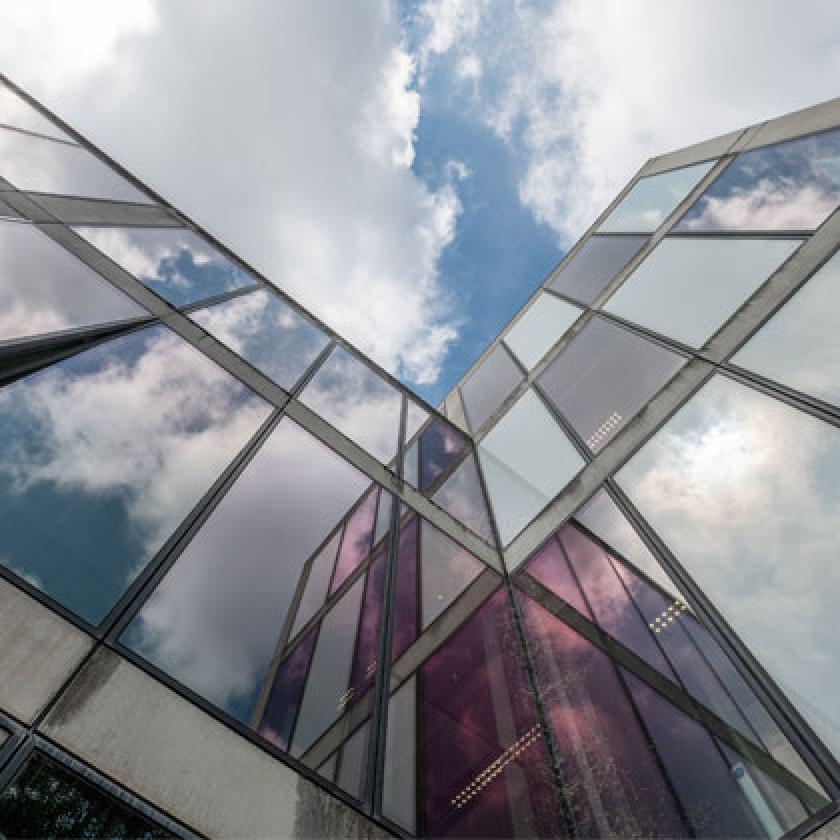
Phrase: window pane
x=688 y=288
x=488 y=385
x=317 y=583
x=592 y=268
x=176 y=264
x=653 y=199
x=44 y=288
x=214 y=624
x=102 y=456
x=40 y=165
x=45 y=799
x=793 y=185
x=16 y=112
x=461 y=496
x=440 y=444
x=527 y=459
x=757 y=479
x=465 y=727
x=636 y=765
x=360 y=404
x=603 y=377
x=800 y=345
x=267 y=333
x=540 y=329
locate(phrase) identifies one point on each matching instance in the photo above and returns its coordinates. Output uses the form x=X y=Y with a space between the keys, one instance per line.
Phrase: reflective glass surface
x=652 y=199
x=40 y=165
x=687 y=288
x=603 y=377
x=359 y=403
x=539 y=329
x=44 y=288
x=488 y=385
x=16 y=112
x=527 y=459
x=46 y=800
x=430 y=455
x=793 y=185
x=463 y=733
x=176 y=264
x=637 y=763
x=461 y=496
x=800 y=345
x=757 y=479
x=266 y=332
x=102 y=456
x=215 y=619
x=591 y=269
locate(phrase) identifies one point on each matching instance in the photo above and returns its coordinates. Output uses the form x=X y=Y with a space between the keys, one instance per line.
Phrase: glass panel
x=317 y=583
x=800 y=345
x=446 y=571
x=44 y=288
x=440 y=444
x=653 y=199
x=415 y=417
x=539 y=329
x=592 y=268
x=478 y=757
x=757 y=479
x=603 y=378
x=360 y=404
x=40 y=165
x=687 y=288
x=45 y=799
x=461 y=496
x=635 y=764
x=351 y=775
x=488 y=385
x=406 y=610
x=15 y=111
x=176 y=264
x=527 y=459
x=356 y=539
x=793 y=185
x=214 y=624
x=411 y=464
x=102 y=456
x=266 y=332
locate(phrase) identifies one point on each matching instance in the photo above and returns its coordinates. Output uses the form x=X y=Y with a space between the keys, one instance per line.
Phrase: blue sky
x=410 y=172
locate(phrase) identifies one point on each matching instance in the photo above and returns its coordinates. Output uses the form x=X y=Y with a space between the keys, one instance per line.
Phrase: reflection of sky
x=652 y=199
x=39 y=165
x=527 y=459
x=103 y=455
x=540 y=328
x=215 y=619
x=789 y=186
x=799 y=346
x=43 y=288
x=461 y=496
x=266 y=332
x=743 y=489
x=361 y=405
x=177 y=264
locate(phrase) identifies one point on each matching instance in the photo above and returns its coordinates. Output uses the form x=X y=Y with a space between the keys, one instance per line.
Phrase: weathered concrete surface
x=830 y=831
x=38 y=652
x=159 y=745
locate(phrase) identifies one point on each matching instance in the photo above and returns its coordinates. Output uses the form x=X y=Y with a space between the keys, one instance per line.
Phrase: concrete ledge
x=151 y=740
x=38 y=652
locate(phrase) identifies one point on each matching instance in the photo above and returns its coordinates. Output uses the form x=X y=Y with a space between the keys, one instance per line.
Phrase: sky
x=411 y=171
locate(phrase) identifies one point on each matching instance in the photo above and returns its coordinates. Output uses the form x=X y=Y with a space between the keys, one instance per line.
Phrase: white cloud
x=445 y=23
x=286 y=129
x=585 y=91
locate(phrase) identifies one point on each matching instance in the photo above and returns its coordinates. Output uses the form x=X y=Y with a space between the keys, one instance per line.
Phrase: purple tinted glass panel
x=666 y=617
x=551 y=568
x=614 y=610
x=286 y=693
x=440 y=444
x=405 y=595
x=367 y=643
x=710 y=796
x=484 y=764
x=356 y=541
x=613 y=784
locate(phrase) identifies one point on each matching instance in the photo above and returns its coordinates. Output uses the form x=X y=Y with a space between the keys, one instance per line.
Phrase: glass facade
x=605 y=609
